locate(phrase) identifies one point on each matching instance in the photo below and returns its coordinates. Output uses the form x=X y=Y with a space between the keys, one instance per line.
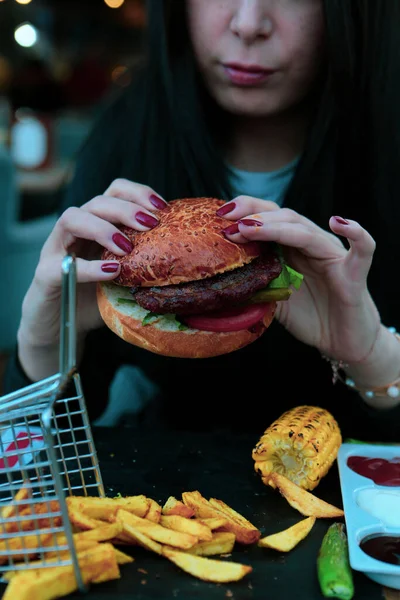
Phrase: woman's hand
x=333 y=309
x=86 y=231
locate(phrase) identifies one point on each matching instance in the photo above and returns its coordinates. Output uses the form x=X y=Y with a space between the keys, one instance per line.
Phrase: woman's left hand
x=333 y=309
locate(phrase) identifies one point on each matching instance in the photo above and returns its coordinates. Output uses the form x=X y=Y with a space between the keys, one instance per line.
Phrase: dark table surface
x=218 y=465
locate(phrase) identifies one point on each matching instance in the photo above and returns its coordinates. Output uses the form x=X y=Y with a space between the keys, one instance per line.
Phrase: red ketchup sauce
x=385 y=548
x=381 y=470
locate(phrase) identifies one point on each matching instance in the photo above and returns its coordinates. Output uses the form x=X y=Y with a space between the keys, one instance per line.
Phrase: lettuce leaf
x=296 y=278
x=151 y=317
x=125 y=301
x=288 y=277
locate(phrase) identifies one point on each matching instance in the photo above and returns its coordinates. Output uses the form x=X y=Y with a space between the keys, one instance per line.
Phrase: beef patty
x=212 y=293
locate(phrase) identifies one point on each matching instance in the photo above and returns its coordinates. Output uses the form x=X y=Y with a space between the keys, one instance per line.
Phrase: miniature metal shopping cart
x=46 y=454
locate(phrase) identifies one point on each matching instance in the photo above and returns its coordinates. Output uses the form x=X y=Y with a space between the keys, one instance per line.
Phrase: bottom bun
x=163 y=334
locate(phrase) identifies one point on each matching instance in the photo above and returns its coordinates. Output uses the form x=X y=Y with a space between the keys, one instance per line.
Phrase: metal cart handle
x=53 y=386
x=67 y=364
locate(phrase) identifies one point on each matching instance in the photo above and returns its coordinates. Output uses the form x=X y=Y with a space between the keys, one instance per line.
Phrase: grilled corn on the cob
x=302 y=445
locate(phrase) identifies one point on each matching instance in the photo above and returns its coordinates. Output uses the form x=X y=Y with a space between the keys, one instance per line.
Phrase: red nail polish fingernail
x=226 y=209
x=146 y=220
x=251 y=222
x=158 y=202
x=122 y=242
x=341 y=221
x=110 y=267
x=231 y=230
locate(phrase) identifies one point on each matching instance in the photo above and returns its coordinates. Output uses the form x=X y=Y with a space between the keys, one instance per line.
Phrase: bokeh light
x=26 y=35
x=114 y=3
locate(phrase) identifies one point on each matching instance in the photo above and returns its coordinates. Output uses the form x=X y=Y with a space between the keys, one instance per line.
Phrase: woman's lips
x=246 y=76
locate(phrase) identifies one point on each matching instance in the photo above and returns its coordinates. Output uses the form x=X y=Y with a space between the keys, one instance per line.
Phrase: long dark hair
x=353 y=149
x=167 y=129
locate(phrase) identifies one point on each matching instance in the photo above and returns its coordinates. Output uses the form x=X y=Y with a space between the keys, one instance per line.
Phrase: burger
x=186 y=291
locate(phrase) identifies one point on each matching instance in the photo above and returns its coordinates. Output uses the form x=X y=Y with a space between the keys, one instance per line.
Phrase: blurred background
x=60 y=61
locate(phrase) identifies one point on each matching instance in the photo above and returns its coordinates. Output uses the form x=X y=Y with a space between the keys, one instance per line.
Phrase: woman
x=290 y=108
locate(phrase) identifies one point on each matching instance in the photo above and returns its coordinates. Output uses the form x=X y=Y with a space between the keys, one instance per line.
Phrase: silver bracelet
x=338 y=366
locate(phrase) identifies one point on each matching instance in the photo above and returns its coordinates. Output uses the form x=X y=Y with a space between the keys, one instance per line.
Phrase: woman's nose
x=252 y=20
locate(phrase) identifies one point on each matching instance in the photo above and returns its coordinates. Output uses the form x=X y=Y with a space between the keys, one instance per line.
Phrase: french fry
x=156 y=532
x=122 y=558
x=179 y=531
x=10 y=510
x=57 y=539
x=286 y=540
x=54 y=556
x=80 y=546
x=216 y=571
x=105 y=575
x=104 y=533
x=100 y=534
x=47 y=584
x=178 y=523
x=80 y=520
x=103 y=508
x=17 y=521
x=142 y=539
x=32 y=519
x=305 y=502
x=222 y=543
x=245 y=532
x=249 y=534
x=176 y=507
x=213 y=522
x=18 y=547
x=154 y=512
x=200 y=505
x=123 y=539
x=51 y=508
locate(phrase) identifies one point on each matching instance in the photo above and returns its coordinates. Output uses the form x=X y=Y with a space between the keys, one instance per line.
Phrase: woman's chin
x=252 y=103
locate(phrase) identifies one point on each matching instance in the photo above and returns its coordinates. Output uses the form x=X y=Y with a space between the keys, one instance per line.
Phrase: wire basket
x=46 y=454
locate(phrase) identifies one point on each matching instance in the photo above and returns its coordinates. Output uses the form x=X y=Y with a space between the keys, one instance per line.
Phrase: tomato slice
x=233 y=319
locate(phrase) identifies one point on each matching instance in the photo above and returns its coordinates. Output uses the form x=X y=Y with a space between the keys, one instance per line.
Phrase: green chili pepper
x=333 y=567
x=354 y=441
